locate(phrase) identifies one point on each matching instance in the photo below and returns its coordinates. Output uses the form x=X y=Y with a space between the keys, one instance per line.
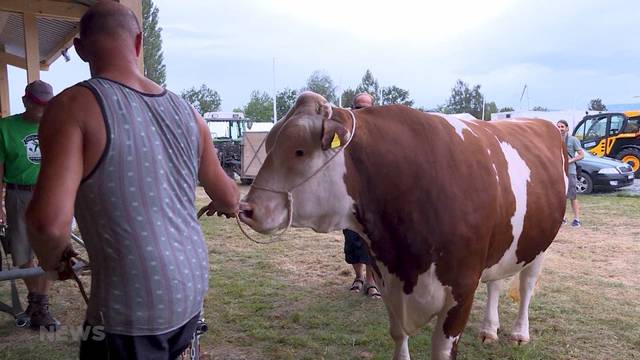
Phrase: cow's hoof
x=488 y=337
x=519 y=339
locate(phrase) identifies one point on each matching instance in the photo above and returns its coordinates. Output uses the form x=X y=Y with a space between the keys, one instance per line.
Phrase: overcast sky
x=567 y=52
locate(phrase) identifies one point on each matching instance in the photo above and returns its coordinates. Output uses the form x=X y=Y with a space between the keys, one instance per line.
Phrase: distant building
x=573 y=117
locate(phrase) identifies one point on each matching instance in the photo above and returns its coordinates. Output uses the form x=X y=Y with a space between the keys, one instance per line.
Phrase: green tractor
x=227 y=130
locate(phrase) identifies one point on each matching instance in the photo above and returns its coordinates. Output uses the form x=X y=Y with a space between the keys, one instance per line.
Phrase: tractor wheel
x=631 y=156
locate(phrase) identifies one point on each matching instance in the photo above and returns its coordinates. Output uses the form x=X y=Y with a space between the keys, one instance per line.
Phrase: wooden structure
x=253 y=154
x=35 y=33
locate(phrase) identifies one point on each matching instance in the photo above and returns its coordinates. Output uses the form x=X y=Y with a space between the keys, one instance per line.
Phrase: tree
x=395 y=95
x=369 y=84
x=490 y=108
x=464 y=100
x=154 y=67
x=506 y=109
x=320 y=82
x=539 y=108
x=204 y=99
x=259 y=107
x=285 y=99
x=346 y=99
x=597 y=105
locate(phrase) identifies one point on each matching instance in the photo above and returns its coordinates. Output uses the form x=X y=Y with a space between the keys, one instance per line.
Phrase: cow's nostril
x=247 y=213
x=246 y=210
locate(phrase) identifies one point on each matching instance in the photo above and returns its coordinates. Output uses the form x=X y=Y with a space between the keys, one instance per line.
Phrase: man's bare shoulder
x=75 y=104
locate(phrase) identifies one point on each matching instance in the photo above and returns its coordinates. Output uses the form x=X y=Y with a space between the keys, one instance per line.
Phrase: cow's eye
x=299 y=152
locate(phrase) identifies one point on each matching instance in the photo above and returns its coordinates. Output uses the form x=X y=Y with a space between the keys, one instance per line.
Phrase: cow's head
x=309 y=138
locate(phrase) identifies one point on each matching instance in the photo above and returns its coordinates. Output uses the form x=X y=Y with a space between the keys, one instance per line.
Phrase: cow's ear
x=334 y=134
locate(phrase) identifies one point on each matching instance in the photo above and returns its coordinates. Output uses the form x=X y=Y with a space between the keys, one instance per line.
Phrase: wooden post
x=4 y=88
x=32 y=49
x=136 y=7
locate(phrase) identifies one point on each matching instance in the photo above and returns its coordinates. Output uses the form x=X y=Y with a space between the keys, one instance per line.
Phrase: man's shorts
x=355 y=251
x=16 y=202
x=100 y=345
x=571 y=191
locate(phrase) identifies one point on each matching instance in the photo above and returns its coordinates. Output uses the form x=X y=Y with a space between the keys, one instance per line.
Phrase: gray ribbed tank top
x=136 y=213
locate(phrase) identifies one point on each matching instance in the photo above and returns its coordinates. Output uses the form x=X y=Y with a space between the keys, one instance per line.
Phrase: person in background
x=125 y=155
x=355 y=251
x=575 y=153
x=19 y=168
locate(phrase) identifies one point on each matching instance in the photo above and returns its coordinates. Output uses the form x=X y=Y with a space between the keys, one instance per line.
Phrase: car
x=602 y=173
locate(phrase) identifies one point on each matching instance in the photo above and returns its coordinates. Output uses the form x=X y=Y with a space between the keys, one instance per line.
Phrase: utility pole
x=275 y=111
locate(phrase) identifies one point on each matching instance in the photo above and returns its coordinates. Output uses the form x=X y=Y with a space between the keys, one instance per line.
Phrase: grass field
x=289 y=300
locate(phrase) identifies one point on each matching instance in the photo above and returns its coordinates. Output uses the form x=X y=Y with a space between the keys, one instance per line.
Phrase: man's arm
x=50 y=211
x=221 y=189
x=579 y=155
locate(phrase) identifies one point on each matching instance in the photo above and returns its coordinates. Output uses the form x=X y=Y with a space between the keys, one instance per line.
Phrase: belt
x=19 y=187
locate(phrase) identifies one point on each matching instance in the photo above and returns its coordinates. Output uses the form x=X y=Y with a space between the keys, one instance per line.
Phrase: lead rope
x=289 y=193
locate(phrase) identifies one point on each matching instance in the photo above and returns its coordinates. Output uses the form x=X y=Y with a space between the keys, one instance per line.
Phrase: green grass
x=289 y=300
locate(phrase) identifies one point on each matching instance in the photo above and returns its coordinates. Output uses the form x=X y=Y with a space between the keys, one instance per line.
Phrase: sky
x=566 y=52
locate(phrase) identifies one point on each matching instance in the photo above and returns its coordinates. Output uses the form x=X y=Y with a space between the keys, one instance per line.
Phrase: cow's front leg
x=491 y=323
x=400 y=338
x=528 y=277
x=451 y=322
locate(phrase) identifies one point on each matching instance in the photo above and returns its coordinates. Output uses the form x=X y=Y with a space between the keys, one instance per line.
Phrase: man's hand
x=66 y=262
x=210 y=210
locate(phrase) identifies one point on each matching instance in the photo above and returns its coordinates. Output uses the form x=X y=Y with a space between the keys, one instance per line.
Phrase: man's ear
x=77 y=44
x=334 y=133
x=138 y=44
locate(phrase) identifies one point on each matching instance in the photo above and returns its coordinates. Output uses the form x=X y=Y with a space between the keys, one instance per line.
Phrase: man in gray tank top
x=124 y=155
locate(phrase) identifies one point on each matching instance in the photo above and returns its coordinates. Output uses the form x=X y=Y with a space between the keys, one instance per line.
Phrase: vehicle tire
x=584 y=185
x=631 y=156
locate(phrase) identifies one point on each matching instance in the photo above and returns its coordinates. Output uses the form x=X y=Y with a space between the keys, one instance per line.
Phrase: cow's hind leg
x=451 y=322
x=491 y=323
x=400 y=338
x=528 y=277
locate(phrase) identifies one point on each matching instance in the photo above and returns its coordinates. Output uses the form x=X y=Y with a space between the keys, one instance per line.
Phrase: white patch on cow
x=414 y=310
x=519 y=176
x=457 y=124
x=495 y=170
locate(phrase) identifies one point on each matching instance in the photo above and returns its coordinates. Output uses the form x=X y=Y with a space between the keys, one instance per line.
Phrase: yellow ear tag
x=335 y=142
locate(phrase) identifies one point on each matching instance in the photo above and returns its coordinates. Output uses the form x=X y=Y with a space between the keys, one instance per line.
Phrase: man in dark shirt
x=355 y=251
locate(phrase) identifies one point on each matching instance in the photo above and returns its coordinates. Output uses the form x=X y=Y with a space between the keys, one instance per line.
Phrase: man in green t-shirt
x=19 y=167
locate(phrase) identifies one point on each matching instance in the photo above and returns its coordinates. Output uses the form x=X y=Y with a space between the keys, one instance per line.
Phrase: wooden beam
x=136 y=7
x=31 y=47
x=4 y=88
x=65 y=43
x=63 y=10
x=4 y=17
x=17 y=61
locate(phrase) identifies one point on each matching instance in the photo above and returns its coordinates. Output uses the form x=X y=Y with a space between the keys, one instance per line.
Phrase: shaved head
x=110 y=37
x=109 y=18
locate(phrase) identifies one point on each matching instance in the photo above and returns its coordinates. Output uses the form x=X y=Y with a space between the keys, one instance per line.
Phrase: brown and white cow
x=442 y=204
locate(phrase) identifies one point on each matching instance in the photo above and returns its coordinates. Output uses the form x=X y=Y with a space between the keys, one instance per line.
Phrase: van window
x=616 y=124
x=595 y=128
x=633 y=125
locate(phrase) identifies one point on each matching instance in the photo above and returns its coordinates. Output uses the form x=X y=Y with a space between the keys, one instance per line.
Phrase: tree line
x=463 y=98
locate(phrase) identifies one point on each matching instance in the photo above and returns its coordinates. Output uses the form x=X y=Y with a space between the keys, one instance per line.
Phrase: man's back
x=135 y=211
